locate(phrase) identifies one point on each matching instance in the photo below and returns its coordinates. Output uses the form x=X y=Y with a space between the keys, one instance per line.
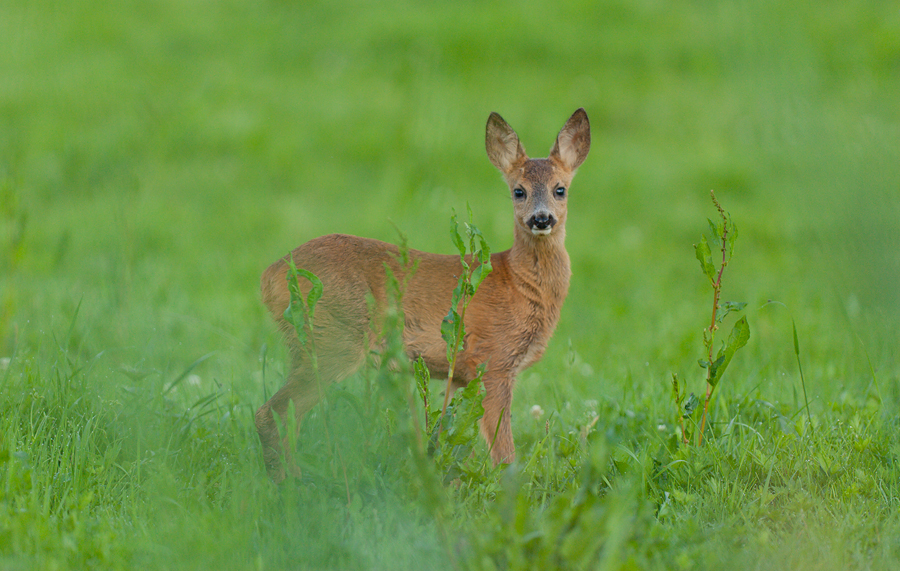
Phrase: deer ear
x=574 y=141
x=502 y=144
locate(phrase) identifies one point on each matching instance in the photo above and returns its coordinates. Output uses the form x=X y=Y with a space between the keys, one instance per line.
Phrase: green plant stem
x=678 y=409
x=717 y=290
x=456 y=343
x=803 y=382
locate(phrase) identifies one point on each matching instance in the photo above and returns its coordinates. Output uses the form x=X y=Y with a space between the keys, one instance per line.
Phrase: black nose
x=542 y=221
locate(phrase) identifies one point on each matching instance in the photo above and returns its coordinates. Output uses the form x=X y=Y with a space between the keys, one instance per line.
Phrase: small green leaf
x=468 y=409
x=796 y=341
x=458 y=293
x=299 y=312
x=294 y=313
x=716 y=369
x=740 y=335
x=454 y=235
x=733 y=305
x=716 y=229
x=479 y=274
x=452 y=332
x=705 y=257
x=732 y=236
x=690 y=405
x=448 y=326
x=315 y=292
x=484 y=251
x=727 y=307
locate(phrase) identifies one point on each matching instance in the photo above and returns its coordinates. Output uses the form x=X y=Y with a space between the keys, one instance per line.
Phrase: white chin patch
x=540 y=232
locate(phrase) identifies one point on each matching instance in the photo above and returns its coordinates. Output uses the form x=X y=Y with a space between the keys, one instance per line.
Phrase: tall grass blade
x=802 y=380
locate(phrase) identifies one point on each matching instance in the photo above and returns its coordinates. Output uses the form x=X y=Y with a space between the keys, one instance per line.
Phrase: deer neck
x=541 y=265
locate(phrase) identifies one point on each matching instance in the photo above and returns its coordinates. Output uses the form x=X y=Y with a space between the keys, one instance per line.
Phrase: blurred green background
x=155 y=157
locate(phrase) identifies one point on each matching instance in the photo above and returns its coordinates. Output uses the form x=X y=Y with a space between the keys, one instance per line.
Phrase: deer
x=508 y=322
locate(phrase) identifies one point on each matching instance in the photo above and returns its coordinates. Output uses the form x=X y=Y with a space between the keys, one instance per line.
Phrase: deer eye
x=519 y=193
x=560 y=191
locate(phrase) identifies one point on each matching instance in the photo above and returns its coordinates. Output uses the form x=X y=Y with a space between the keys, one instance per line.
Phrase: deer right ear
x=503 y=147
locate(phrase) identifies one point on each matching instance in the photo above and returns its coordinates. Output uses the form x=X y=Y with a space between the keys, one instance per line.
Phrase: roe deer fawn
x=508 y=322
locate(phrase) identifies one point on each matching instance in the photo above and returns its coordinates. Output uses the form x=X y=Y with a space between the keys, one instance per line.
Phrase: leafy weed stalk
x=475 y=268
x=723 y=234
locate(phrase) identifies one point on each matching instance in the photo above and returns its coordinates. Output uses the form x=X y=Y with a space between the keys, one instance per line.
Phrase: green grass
x=155 y=158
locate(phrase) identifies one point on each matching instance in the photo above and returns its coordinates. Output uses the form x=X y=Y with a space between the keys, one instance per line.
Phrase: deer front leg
x=496 y=424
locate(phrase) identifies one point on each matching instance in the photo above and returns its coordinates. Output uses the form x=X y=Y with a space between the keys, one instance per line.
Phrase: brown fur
x=508 y=323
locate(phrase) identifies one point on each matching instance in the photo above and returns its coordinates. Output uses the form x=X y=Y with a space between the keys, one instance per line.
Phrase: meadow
x=156 y=157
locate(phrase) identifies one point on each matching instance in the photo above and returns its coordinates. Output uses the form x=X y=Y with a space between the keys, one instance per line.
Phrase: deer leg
x=303 y=391
x=496 y=426
x=339 y=355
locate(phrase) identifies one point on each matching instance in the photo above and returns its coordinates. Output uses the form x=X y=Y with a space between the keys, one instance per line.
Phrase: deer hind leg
x=496 y=425
x=305 y=387
x=303 y=390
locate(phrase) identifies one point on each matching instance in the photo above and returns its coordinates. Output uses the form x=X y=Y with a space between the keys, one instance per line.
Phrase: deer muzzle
x=541 y=223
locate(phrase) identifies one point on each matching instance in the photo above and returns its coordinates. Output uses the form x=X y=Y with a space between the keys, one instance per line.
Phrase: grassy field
x=156 y=157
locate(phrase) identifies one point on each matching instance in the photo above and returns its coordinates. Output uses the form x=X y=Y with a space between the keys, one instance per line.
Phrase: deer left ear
x=574 y=141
